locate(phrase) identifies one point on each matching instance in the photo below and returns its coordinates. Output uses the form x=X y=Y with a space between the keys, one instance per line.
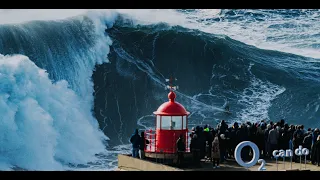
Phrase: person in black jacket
x=297 y=140
x=181 y=148
x=316 y=152
x=260 y=139
x=222 y=147
x=233 y=138
x=135 y=141
x=307 y=142
x=142 y=145
x=202 y=142
x=195 y=149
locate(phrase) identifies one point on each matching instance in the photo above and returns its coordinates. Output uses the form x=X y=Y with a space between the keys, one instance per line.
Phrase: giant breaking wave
x=64 y=82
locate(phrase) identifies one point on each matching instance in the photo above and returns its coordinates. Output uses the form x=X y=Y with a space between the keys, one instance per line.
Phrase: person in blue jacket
x=135 y=141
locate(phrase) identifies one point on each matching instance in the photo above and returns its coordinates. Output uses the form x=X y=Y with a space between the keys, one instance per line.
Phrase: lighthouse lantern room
x=171 y=122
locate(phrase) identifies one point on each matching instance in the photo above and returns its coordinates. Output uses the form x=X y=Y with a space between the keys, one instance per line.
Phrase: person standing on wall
x=142 y=145
x=135 y=141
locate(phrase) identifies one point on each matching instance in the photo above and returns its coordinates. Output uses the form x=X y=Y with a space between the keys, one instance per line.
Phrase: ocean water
x=74 y=84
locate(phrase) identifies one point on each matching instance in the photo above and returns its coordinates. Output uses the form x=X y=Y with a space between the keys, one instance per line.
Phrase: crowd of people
x=218 y=144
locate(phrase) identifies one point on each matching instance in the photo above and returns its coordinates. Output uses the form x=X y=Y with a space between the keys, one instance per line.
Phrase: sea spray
x=42 y=123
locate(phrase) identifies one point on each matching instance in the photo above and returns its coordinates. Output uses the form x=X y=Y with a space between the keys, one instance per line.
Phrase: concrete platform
x=128 y=163
x=231 y=165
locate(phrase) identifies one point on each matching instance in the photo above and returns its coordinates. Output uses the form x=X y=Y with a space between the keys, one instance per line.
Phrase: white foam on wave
x=56 y=146
x=257 y=99
x=298 y=39
x=15 y=16
x=107 y=161
x=42 y=123
x=46 y=125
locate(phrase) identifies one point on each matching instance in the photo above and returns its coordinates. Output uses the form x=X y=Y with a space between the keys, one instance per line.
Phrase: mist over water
x=74 y=84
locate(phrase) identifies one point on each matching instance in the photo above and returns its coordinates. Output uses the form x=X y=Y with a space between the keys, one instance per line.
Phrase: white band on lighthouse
x=256 y=154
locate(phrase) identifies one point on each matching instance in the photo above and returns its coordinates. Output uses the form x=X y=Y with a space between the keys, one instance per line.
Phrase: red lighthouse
x=171 y=122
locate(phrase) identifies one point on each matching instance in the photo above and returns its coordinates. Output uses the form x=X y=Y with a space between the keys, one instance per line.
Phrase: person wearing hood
x=135 y=141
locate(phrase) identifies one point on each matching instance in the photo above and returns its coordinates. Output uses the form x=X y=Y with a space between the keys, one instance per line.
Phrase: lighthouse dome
x=171 y=108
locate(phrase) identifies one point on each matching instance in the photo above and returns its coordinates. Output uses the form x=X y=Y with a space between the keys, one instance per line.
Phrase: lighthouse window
x=158 y=122
x=165 y=122
x=176 y=122
x=184 y=122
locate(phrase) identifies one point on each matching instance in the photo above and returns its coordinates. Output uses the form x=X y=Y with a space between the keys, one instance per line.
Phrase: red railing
x=187 y=144
x=151 y=147
x=151 y=137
